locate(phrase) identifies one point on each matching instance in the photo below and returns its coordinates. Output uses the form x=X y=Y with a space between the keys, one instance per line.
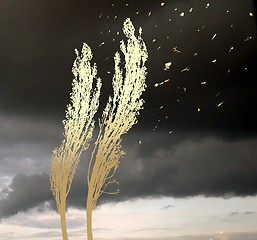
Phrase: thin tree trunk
x=63 y=224
x=89 y=220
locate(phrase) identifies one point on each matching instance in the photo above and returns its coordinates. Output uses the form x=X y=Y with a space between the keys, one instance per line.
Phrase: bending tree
x=119 y=115
x=78 y=129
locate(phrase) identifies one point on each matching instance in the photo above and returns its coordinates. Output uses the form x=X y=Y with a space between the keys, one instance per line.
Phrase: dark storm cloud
x=207 y=166
x=25 y=192
x=38 y=39
x=211 y=152
x=26 y=144
x=29 y=129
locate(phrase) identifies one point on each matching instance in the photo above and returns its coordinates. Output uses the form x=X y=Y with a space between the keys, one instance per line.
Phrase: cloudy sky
x=190 y=171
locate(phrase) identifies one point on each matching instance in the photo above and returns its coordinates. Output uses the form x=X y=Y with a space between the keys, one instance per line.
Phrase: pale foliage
x=120 y=113
x=78 y=125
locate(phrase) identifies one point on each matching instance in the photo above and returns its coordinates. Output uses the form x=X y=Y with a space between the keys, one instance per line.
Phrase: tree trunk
x=89 y=210
x=63 y=224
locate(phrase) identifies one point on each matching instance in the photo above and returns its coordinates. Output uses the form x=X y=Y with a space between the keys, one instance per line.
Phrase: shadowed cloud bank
x=205 y=166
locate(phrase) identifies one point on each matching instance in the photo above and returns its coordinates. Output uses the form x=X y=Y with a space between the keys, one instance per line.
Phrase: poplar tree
x=118 y=117
x=78 y=129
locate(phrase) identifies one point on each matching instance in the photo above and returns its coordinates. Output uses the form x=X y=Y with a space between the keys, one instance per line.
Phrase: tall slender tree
x=78 y=129
x=119 y=115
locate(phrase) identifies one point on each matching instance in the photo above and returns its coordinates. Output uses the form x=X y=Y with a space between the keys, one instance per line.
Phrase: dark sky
x=37 y=50
x=210 y=109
